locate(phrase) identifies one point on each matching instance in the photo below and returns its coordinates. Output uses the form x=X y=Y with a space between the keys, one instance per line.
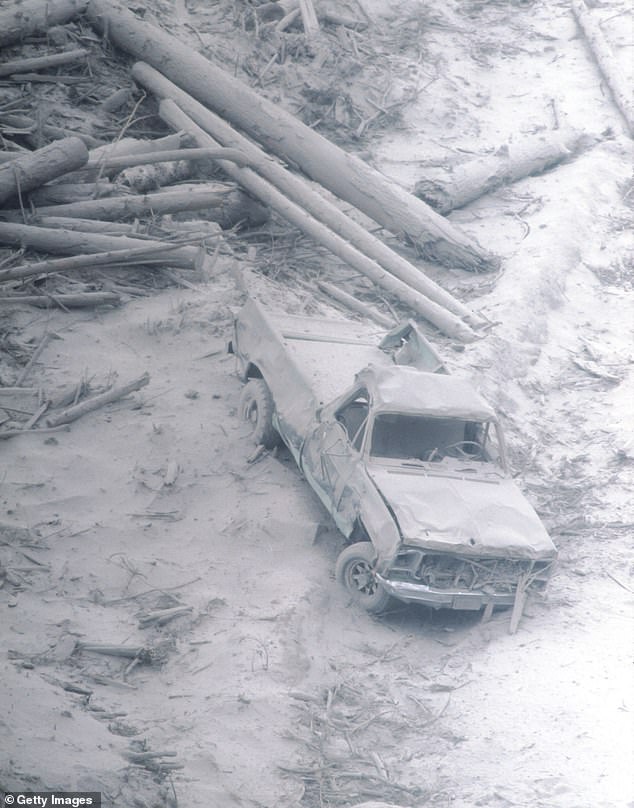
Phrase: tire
x=256 y=407
x=355 y=570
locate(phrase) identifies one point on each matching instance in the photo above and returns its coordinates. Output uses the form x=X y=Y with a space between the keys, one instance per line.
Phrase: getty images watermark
x=47 y=799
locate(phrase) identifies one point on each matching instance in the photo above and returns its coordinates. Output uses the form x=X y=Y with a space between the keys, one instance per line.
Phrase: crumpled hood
x=469 y=516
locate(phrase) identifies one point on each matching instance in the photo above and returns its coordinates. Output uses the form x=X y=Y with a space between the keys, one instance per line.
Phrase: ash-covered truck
x=408 y=459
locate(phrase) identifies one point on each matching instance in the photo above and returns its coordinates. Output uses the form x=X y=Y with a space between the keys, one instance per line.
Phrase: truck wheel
x=355 y=570
x=256 y=407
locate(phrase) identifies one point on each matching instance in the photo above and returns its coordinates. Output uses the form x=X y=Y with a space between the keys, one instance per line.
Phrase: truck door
x=331 y=460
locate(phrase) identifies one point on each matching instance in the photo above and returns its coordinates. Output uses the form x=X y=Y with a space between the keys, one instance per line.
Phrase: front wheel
x=355 y=570
x=256 y=407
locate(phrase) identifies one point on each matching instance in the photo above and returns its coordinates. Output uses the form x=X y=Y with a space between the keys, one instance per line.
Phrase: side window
x=354 y=418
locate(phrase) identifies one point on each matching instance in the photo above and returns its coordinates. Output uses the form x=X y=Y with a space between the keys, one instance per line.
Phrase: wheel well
x=359 y=533
x=253 y=372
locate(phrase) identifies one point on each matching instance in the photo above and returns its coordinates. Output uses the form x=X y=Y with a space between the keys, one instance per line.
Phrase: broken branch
x=354 y=304
x=41 y=62
x=91 y=404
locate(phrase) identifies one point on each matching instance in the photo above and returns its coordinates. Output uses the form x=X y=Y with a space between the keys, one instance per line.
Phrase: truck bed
x=307 y=362
x=330 y=352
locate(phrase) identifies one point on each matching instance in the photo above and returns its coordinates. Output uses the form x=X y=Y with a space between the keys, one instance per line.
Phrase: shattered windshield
x=417 y=437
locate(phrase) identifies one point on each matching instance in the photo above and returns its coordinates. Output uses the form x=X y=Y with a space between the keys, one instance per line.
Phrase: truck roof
x=400 y=388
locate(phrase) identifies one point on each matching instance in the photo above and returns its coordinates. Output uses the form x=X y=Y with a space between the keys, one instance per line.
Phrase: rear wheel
x=355 y=570
x=256 y=407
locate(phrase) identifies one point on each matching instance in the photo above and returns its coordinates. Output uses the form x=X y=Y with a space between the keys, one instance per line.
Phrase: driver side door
x=331 y=460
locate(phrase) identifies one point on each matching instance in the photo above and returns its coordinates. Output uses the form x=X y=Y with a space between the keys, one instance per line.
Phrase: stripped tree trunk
x=76 y=301
x=62 y=193
x=299 y=191
x=68 y=242
x=512 y=162
x=33 y=169
x=356 y=305
x=224 y=204
x=127 y=257
x=85 y=225
x=42 y=62
x=621 y=90
x=295 y=214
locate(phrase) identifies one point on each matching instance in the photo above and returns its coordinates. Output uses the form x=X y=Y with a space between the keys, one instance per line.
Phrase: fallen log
x=96 y=167
x=144 y=178
x=128 y=257
x=34 y=130
x=61 y=193
x=532 y=154
x=609 y=66
x=76 y=301
x=223 y=203
x=7 y=156
x=91 y=404
x=86 y=225
x=188 y=231
x=129 y=160
x=35 y=17
x=99 y=157
x=29 y=171
x=345 y=175
x=355 y=305
x=67 y=242
x=293 y=213
x=48 y=78
x=300 y=192
x=42 y=62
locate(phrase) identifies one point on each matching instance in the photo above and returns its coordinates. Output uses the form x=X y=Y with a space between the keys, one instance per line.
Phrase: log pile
x=234 y=157
x=100 y=204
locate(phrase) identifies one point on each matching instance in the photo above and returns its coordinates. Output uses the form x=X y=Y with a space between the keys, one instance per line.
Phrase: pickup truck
x=408 y=459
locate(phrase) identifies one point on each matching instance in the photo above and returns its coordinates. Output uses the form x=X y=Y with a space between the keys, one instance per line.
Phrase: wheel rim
x=361 y=578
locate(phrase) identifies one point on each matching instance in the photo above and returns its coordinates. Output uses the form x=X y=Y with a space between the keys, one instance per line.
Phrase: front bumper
x=444 y=598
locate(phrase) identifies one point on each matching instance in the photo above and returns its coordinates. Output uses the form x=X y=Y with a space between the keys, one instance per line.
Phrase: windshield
x=417 y=437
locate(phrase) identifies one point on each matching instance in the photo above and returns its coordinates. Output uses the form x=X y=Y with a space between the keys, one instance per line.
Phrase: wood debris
x=98 y=185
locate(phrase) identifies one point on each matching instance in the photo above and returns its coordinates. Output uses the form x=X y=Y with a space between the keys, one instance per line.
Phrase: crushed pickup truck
x=408 y=459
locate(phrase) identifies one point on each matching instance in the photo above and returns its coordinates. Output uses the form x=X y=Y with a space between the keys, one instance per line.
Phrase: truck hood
x=474 y=516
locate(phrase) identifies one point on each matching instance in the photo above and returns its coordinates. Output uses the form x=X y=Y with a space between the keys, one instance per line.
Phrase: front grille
x=489 y=575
